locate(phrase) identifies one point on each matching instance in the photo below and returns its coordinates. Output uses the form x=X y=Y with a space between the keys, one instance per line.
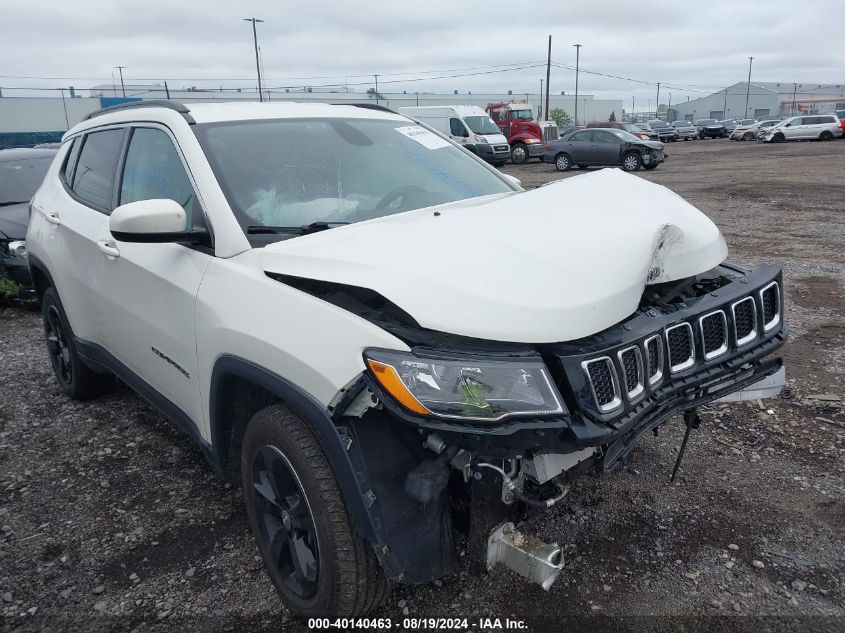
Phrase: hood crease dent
x=552 y=264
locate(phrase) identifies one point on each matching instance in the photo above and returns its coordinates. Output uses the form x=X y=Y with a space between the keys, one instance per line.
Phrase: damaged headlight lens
x=487 y=390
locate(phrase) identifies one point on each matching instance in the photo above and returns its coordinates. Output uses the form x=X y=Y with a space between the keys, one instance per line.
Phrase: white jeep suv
x=376 y=332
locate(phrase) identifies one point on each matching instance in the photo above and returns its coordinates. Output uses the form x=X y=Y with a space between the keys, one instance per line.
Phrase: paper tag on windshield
x=423 y=136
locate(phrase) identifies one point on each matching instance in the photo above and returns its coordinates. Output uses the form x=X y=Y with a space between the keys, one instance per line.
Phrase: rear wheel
x=748 y=136
x=319 y=564
x=826 y=135
x=563 y=162
x=519 y=153
x=77 y=380
x=631 y=161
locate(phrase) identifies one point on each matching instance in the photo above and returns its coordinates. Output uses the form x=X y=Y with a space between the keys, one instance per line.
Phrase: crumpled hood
x=553 y=264
x=14 y=220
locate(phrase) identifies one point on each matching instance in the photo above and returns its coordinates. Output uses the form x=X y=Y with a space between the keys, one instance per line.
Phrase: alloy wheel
x=562 y=163
x=630 y=163
x=287 y=534
x=58 y=346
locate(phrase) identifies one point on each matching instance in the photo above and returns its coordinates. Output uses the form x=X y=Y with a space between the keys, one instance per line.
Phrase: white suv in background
x=374 y=331
x=808 y=127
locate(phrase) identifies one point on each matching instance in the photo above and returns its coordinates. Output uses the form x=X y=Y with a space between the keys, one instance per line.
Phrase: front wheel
x=650 y=167
x=748 y=136
x=778 y=138
x=631 y=161
x=519 y=154
x=319 y=564
x=563 y=162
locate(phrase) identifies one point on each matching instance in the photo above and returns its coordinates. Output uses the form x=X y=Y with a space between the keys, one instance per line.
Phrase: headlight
x=529 y=141
x=17 y=248
x=480 y=138
x=467 y=389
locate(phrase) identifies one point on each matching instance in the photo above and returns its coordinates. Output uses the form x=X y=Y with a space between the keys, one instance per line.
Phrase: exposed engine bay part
x=528 y=556
x=365 y=399
x=515 y=490
x=547 y=466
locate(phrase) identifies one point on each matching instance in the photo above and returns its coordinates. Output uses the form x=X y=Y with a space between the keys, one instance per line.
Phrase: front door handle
x=53 y=217
x=108 y=248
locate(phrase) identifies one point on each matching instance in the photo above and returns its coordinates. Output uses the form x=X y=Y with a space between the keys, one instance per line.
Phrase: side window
x=456 y=127
x=605 y=137
x=153 y=170
x=72 y=156
x=581 y=136
x=93 y=178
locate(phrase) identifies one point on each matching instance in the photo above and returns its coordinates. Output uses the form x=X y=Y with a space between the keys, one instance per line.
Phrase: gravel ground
x=111 y=520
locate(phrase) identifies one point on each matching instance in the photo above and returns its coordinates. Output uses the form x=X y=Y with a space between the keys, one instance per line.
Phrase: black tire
x=563 y=162
x=582 y=167
x=650 y=167
x=519 y=154
x=778 y=138
x=827 y=135
x=748 y=136
x=77 y=379
x=631 y=161
x=349 y=579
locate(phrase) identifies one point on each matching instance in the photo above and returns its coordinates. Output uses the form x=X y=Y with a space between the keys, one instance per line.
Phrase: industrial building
x=764 y=98
x=27 y=120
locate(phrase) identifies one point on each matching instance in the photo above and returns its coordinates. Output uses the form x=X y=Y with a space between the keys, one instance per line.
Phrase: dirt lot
x=111 y=520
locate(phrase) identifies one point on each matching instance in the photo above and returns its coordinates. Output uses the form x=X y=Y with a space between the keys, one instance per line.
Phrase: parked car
x=21 y=173
x=751 y=131
x=729 y=125
x=665 y=132
x=633 y=128
x=290 y=284
x=649 y=131
x=603 y=148
x=840 y=114
x=821 y=127
x=469 y=126
x=709 y=128
x=686 y=130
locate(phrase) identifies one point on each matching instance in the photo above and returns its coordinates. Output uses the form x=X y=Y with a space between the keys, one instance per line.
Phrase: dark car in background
x=21 y=173
x=650 y=131
x=665 y=132
x=710 y=128
x=597 y=147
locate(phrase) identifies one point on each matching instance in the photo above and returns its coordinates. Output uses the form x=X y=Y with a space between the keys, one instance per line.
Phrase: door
x=78 y=215
x=152 y=288
x=458 y=131
x=606 y=148
x=794 y=129
x=579 y=147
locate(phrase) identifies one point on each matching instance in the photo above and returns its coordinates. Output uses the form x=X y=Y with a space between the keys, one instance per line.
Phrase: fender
x=354 y=487
x=522 y=137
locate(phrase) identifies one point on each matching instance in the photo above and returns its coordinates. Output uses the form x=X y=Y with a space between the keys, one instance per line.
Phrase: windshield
x=645 y=127
x=522 y=115
x=295 y=172
x=625 y=135
x=705 y=122
x=632 y=128
x=681 y=124
x=658 y=124
x=481 y=125
x=20 y=178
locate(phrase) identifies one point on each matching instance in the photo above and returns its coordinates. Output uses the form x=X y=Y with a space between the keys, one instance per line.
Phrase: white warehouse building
x=765 y=99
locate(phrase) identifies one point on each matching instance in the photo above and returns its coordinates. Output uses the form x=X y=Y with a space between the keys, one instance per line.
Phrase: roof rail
x=181 y=108
x=368 y=106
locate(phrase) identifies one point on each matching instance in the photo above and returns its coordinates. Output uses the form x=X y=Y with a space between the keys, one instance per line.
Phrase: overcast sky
x=695 y=49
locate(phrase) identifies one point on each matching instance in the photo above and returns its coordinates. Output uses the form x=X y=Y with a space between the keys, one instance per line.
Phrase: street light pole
x=548 y=73
x=669 y=109
x=376 y=76
x=657 y=101
x=748 y=86
x=122 y=88
x=257 y=65
x=577 y=64
x=540 y=107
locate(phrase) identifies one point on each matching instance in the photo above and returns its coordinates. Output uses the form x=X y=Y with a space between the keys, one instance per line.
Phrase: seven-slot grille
x=638 y=366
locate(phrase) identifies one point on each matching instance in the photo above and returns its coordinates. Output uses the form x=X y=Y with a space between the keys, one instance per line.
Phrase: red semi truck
x=517 y=123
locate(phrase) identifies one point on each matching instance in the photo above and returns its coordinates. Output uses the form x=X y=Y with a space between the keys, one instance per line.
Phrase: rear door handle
x=108 y=248
x=53 y=217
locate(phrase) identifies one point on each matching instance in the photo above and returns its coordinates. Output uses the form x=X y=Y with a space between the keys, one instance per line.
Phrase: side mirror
x=513 y=180
x=152 y=221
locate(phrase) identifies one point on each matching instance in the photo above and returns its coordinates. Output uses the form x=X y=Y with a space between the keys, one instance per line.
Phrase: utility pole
x=669 y=110
x=794 y=91
x=166 y=90
x=577 y=62
x=122 y=88
x=657 y=102
x=548 y=72
x=257 y=64
x=725 y=105
x=632 y=110
x=748 y=86
x=64 y=106
x=376 y=76
x=540 y=107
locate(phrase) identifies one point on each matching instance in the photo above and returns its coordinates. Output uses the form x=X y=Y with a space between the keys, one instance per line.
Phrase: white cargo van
x=470 y=126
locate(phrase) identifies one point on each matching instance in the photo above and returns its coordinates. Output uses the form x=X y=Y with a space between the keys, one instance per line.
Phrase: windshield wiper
x=257 y=229
x=6 y=204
